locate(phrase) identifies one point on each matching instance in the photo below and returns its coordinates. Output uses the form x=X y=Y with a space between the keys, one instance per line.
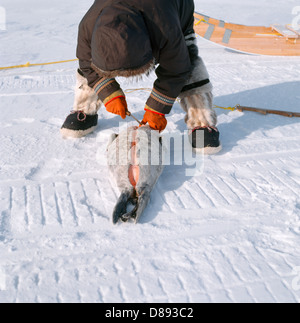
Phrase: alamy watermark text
x=296 y=20
x=2 y=18
x=296 y=280
x=2 y=279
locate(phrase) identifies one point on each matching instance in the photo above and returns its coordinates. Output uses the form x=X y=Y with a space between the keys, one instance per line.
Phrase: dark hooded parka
x=129 y=37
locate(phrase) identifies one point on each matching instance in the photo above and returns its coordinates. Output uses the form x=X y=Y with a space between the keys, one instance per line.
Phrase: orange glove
x=118 y=106
x=156 y=120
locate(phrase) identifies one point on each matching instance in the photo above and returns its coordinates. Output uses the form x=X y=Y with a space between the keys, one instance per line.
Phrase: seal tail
x=139 y=203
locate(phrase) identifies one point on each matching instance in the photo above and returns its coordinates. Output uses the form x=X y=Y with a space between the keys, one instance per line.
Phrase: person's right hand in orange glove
x=156 y=120
x=117 y=105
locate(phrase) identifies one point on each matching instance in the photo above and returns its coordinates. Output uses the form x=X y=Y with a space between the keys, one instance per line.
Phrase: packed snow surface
x=230 y=234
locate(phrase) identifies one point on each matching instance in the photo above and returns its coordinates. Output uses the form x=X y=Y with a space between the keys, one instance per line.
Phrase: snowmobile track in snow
x=14 y=86
x=232 y=272
x=43 y=81
x=23 y=83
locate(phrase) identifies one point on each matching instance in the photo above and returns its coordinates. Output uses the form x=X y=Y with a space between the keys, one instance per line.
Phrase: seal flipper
x=132 y=214
x=142 y=203
x=121 y=206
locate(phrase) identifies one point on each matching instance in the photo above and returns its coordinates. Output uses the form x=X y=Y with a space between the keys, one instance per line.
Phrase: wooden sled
x=274 y=40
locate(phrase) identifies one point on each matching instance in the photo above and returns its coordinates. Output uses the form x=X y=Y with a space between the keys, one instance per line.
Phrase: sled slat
x=293 y=30
x=247 y=39
x=284 y=31
x=234 y=27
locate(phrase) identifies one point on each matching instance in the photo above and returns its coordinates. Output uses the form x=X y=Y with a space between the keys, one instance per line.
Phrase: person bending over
x=132 y=38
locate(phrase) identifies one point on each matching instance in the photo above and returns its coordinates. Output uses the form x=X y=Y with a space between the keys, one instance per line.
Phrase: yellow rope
x=40 y=64
x=228 y=108
x=199 y=22
x=128 y=91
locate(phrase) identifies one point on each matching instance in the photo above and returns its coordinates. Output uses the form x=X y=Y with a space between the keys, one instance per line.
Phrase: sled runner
x=274 y=40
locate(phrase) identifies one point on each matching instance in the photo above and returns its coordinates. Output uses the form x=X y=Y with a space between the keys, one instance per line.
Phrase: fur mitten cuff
x=86 y=99
x=196 y=98
x=199 y=110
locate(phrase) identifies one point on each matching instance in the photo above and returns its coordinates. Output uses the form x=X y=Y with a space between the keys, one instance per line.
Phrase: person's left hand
x=156 y=121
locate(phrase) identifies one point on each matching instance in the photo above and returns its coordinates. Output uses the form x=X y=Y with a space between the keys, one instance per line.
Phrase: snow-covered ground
x=229 y=235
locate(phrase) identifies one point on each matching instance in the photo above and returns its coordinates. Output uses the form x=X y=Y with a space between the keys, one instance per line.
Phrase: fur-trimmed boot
x=196 y=99
x=84 y=118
